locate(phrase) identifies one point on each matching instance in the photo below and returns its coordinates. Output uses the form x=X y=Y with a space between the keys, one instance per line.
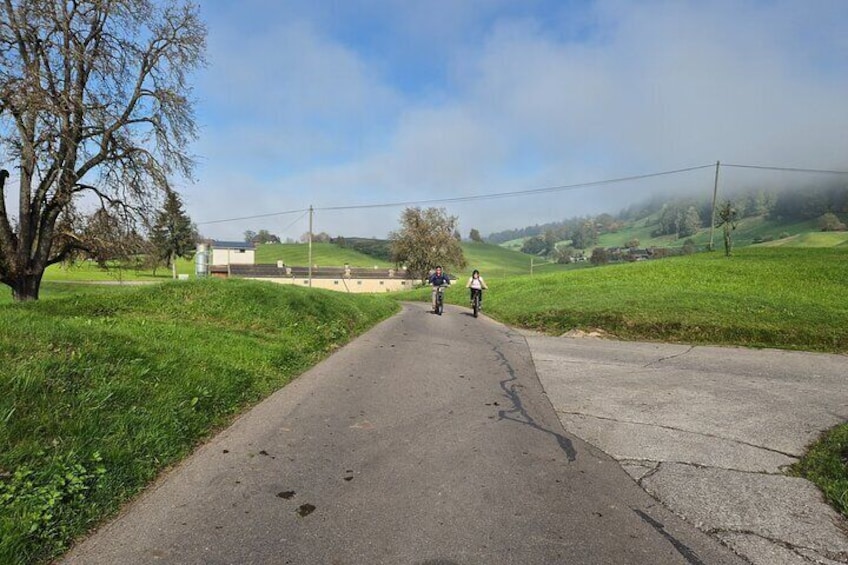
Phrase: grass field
x=323 y=255
x=89 y=271
x=100 y=391
x=811 y=239
x=497 y=262
x=789 y=298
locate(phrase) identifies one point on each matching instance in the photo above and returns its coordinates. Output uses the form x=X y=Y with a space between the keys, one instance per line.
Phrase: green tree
x=585 y=235
x=425 y=239
x=262 y=237
x=690 y=222
x=600 y=256
x=173 y=235
x=534 y=246
x=474 y=235
x=830 y=222
x=564 y=254
x=94 y=106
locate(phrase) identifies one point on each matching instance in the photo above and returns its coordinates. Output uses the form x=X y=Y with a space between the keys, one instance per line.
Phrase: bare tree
x=728 y=217
x=425 y=240
x=95 y=110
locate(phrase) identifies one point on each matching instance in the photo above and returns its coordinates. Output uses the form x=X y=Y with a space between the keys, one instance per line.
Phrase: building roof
x=232 y=245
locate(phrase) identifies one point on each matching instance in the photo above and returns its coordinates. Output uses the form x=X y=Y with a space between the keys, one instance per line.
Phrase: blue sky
x=370 y=101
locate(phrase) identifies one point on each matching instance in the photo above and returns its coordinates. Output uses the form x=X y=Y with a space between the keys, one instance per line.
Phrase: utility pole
x=310 y=246
x=715 y=193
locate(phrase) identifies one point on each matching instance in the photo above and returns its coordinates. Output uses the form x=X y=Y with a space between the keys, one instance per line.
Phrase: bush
x=599 y=256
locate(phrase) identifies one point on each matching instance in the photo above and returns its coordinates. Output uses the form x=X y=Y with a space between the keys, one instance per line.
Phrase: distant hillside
x=766 y=216
x=811 y=239
x=495 y=261
x=323 y=254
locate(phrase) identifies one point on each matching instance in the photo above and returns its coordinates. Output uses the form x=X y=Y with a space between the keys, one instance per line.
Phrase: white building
x=225 y=253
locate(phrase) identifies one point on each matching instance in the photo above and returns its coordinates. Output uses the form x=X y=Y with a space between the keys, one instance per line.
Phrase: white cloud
x=563 y=96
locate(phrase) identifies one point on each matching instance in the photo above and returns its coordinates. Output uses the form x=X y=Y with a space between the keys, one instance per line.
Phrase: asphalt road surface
x=429 y=440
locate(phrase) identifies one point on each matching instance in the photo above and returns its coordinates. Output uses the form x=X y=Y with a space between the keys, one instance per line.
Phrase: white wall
x=233 y=257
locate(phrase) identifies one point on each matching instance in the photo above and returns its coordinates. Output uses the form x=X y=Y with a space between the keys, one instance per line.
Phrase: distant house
x=238 y=259
x=225 y=253
x=343 y=279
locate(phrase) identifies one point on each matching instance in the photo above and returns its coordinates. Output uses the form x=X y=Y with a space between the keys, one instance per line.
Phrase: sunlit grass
x=101 y=390
x=778 y=297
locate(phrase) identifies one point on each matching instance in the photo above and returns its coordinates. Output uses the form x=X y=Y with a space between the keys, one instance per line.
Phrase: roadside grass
x=826 y=465
x=101 y=391
x=787 y=298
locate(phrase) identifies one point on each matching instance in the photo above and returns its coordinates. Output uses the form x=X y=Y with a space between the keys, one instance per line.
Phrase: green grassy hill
x=811 y=239
x=95 y=399
x=323 y=255
x=495 y=261
x=781 y=297
x=770 y=297
x=747 y=232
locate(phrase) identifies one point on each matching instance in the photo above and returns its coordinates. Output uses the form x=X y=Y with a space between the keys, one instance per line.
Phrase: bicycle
x=475 y=301
x=440 y=299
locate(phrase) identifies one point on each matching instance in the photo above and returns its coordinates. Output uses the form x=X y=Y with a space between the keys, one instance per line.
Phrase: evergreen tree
x=173 y=235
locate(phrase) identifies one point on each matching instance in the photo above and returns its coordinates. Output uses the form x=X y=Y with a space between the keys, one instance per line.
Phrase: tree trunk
x=26 y=287
x=174 y=267
x=728 y=241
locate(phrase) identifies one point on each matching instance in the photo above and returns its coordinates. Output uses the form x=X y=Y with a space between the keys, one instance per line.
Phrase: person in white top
x=477 y=285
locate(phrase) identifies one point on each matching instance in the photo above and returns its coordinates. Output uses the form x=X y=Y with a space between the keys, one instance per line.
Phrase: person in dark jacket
x=436 y=280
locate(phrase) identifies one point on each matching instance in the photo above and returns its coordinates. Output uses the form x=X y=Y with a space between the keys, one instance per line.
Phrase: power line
x=253 y=217
x=299 y=218
x=787 y=169
x=515 y=192
x=470 y=197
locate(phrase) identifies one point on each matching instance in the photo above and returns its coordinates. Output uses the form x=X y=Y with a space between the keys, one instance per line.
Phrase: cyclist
x=477 y=286
x=438 y=279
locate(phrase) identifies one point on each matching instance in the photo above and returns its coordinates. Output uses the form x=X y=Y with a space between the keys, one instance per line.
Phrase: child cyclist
x=436 y=280
x=477 y=286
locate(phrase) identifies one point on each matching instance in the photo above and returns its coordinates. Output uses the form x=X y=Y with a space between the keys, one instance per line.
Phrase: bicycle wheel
x=476 y=304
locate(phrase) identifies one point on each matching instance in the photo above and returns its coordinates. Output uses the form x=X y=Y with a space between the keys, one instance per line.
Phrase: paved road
x=709 y=431
x=429 y=440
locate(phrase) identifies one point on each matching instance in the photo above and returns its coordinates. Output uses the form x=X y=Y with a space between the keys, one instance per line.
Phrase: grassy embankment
x=788 y=298
x=101 y=391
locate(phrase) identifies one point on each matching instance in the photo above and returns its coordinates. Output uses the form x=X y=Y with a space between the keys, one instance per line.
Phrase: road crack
x=672 y=428
x=796 y=549
x=675 y=356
